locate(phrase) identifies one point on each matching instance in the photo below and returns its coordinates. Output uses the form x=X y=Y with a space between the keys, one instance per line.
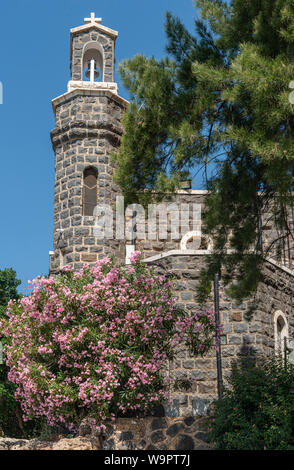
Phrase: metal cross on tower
x=93 y=20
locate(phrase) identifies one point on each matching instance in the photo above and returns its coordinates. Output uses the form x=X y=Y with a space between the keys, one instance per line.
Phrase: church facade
x=88 y=129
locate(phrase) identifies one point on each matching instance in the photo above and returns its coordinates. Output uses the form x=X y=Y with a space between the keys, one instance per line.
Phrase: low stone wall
x=160 y=433
x=151 y=433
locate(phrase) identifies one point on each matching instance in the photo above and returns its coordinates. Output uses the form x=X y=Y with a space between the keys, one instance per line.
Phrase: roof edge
x=86 y=91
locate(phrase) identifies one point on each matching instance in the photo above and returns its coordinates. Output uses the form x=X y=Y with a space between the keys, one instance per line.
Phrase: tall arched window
x=93 y=59
x=280 y=331
x=90 y=190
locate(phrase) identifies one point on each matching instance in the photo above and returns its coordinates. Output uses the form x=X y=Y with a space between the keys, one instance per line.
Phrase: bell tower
x=87 y=130
x=92 y=55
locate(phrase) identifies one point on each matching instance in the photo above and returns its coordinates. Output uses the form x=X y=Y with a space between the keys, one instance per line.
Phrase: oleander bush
x=257 y=408
x=95 y=342
x=11 y=423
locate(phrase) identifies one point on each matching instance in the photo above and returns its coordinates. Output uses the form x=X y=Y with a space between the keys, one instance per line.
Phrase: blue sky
x=34 y=69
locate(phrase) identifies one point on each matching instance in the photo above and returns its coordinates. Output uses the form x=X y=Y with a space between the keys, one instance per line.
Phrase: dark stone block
x=108 y=445
x=174 y=429
x=158 y=423
x=142 y=445
x=188 y=421
x=185 y=443
x=200 y=406
x=157 y=436
x=157 y=411
x=173 y=409
x=126 y=436
x=95 y=249
x=151 y=447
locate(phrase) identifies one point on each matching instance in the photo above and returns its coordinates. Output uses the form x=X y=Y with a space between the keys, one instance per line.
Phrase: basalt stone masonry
x=150 y=433
x=159 y=433
x=240 y=337
x=106 y=40
x=88 y=130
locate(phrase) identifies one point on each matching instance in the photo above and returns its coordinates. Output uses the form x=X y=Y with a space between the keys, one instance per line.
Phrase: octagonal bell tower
x=87 y=130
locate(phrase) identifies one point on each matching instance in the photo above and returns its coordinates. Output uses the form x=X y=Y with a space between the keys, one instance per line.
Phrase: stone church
x=88 y=128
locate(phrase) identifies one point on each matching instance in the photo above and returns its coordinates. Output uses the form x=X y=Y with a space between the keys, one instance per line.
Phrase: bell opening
x=93 y=61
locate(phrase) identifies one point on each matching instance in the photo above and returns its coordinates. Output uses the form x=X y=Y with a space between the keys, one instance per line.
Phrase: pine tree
x=8 y=288
x=220 y=99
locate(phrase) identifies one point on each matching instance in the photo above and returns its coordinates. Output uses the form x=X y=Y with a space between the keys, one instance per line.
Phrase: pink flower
x=80 y=341
x=67 y=268
x=135 y=257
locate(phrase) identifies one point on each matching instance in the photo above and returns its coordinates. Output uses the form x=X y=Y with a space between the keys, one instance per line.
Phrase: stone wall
x=149 y=433
x=159 y=433
x=107 y=43
x=188 y=199
x=275 y=293
x=87 y=130
x=254 y=338
x=187 y=202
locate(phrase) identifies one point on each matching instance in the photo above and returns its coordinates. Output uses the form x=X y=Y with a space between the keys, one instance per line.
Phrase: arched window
x=93 y=60
x=90 y=190
x=280 y=331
